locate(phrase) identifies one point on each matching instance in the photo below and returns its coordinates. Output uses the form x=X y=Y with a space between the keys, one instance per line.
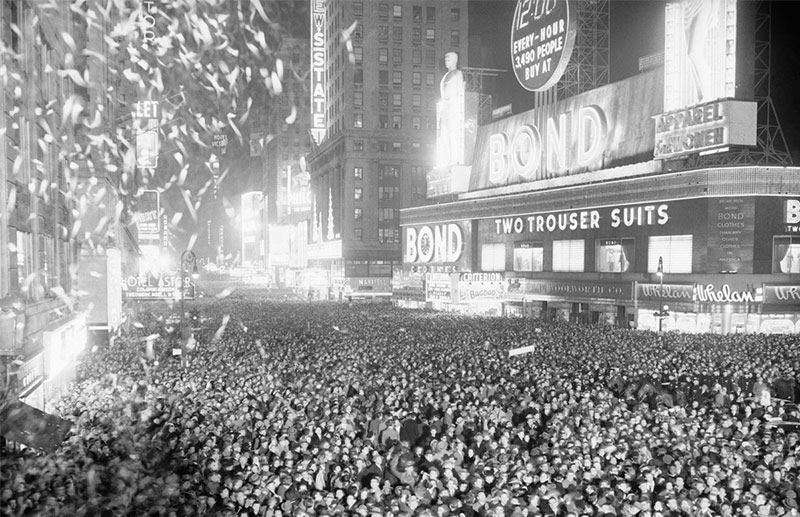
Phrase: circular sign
x=542 y=38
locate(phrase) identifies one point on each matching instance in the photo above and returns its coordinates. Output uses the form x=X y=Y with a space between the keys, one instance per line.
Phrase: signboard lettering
x=672 y=292
x=710 y=293
x=542 y=38
x=440 y=243
x=317 y=70
x=148 y=287
x=643 y=215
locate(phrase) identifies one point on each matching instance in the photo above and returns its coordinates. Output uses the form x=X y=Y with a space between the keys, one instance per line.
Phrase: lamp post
x=660 y=313
x=188 y=263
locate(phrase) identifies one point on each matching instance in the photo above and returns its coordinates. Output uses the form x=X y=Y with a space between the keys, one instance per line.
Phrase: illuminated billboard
x=542 y=38
x=598 y=129
x=146 y=120
x=318 y=70
x=146 y=218
x=705 y=127
x=699 y=52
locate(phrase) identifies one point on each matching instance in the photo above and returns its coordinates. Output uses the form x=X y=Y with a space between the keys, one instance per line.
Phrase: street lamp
x=662 y=309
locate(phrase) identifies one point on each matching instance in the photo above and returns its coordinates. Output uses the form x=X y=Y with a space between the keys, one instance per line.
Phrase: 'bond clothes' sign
x=731 y=229
x=147 y=287
x=782 y=294
x=568 y=290
x=480 y=286
x=436 y=247
x=666 y=293
x=542 y=38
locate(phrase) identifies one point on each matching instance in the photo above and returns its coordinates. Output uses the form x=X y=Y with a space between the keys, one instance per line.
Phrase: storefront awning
x=29 y=426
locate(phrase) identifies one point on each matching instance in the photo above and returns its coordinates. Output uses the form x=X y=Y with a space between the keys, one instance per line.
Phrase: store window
x=786 y=255
x=568 y=255
x=674 y=250
x=613 y=255
x=493 y=257
x=528 y=256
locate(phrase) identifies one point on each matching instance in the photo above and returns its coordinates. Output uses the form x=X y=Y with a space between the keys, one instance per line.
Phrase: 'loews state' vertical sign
x=317 y=70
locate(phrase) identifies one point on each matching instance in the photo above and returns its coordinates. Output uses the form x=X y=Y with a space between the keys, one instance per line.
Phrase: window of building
x=416 y=100
x=383 y=56
x=416 y=78
x=358 y=33
x=386 y=214
x=397 y=35
x=416 y=13
x=23 y=248
x=455 y=14
x=416 y=56
x=493 y=257
x=430 y=79
x=383 y=99
x=416 y=146
x=397 y=11
x=47 y=262
x=397 y=146
x=397 y=56
x=358 y=234
x=358 y=99
x=358 y=9
x=416 y=171
x=358 y=55
x=388 y=235
x=416 y=35
x=383 y=34
x=358 y=193
x=388 y=192
x=455 y=38
x=528 y=256
x=388 y=171
x=397 y=100
x=383 y=11
x=675 y=251
x=383 y=121
x=613 y=255
x=786 y=254
x=430 y=35
x=358 y=120
x=430 y=57
x=397 y=78
x=568 y=255
x=431 y=14
x=358 y=173
x=383 y=77
x=358 y=145
x=357 y=213
x=416 y=122
x=383 y=146
x=397 y=121
x=358 y=76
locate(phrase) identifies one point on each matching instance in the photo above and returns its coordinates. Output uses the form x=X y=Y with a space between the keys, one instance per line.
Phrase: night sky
x=637 y=29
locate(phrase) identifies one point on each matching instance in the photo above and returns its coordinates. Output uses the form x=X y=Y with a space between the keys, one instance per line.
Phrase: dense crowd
x=310 y=409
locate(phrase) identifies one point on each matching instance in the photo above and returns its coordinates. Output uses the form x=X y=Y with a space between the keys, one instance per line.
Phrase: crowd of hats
x=333 y=409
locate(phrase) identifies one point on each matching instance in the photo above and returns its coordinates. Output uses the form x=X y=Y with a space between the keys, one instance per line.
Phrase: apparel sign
x=435 y=243
x=641 y=215
x=542 y=38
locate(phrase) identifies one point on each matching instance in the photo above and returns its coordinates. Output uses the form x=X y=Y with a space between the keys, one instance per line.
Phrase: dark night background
x=637 y=29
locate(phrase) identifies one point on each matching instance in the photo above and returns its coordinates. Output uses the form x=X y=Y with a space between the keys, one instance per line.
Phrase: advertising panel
x=730 y=235
x=440 y=287
x=599 y=129
x=317 y=69
x=576 y=290
x=784 y=295
x=146 y=218
x=665 y=293
x=408 y=285
x=704 y=128
x=542 y=39
x=151 y=287
x=480 y=286
x=699 y=52
x=146 y=120
x=436 y=248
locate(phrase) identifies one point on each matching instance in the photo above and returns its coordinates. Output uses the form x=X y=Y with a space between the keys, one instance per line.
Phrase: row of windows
x=397 y=56
x=416 y=12
x=611 y=255
x=397 y=78
x=368 y=267
x=387 y=172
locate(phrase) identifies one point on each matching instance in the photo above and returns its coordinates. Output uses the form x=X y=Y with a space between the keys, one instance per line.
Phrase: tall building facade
x=376 y=69
x=40 y=326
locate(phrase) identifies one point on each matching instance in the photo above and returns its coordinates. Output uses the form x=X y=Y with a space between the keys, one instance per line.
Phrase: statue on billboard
x=451 y=113
x=700 y=18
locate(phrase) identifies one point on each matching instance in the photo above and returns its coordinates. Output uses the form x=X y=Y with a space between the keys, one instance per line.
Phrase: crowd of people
x=312 y=409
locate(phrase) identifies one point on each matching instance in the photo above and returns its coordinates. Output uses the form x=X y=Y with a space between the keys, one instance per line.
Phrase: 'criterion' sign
x=542 y=38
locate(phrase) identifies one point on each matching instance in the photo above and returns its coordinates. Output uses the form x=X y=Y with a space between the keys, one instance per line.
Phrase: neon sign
x=441 y=243
x=317 y=70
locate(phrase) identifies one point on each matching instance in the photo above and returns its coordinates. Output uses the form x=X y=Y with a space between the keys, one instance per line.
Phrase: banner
x=146 y=217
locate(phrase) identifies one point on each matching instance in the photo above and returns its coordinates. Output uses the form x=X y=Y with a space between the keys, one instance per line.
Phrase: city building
x=41 y=327
x=376 y=75
x=657 y=202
